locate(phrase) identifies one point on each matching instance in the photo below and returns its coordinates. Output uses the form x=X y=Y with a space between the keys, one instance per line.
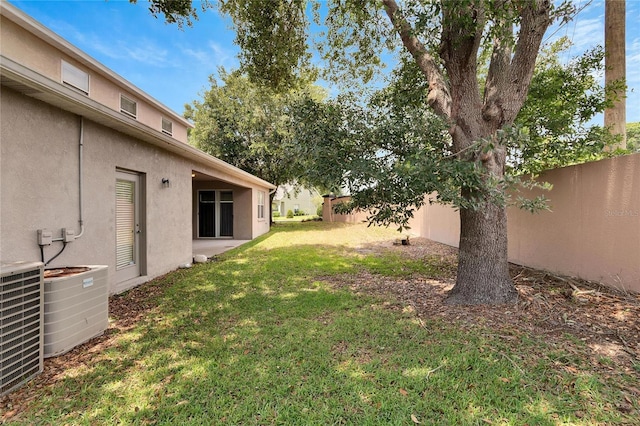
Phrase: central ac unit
x=21 y=323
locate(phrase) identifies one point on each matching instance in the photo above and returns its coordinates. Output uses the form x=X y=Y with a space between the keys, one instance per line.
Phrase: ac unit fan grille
x=21 y=307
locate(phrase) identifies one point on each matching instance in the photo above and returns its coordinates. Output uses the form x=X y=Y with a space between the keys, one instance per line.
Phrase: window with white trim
x=260 y=204
x=167 y=127
x=128 y=106
x=75 y=77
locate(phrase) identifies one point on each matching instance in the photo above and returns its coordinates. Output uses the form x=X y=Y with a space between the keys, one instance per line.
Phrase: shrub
x=289 y=214
x=276 y=214
x=312 y=219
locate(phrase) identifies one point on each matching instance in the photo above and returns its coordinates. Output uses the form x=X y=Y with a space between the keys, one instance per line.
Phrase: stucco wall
x=39 y=164
x=245 y=224
x=592 y=230
x=329 y=215
x=39 y=189
x=37 y=55
x=438 y=223
x=33 y=52
x=260 y=225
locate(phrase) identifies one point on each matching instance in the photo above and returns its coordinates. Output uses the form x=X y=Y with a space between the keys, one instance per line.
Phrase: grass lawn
x=261 y=337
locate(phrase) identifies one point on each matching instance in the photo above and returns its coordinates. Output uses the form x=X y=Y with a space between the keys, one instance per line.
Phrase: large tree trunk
x=483 y=266
x=483 y=271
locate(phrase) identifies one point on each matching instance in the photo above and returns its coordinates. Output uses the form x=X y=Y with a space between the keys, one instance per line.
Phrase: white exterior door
x=127 y=226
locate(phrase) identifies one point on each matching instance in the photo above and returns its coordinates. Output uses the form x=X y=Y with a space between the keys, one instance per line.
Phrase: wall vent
x=167 y=127
x=128 y=106
x=75 y=77
x=21 y=313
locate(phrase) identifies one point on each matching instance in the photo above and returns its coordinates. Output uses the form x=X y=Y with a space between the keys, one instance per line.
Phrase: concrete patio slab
x=211 y=248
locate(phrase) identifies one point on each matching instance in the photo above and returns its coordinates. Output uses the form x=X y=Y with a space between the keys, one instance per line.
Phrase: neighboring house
x=304 y=200
x=85 y=151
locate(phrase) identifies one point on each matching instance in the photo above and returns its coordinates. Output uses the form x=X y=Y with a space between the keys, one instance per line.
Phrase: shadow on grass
x=256 y=339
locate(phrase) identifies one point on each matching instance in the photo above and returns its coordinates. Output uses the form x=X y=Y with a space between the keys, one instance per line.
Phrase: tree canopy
x=401 y=154
x=557 y=115
x=248 y=125
x=633 y=137
x=443 y=40
x=179 y=12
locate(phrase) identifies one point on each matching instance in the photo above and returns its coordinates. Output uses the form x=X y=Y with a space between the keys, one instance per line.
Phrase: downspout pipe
x=273 y=191
x=80 y=177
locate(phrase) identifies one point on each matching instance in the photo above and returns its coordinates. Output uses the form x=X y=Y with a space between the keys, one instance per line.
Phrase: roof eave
x=28 y=23
x=37 y=86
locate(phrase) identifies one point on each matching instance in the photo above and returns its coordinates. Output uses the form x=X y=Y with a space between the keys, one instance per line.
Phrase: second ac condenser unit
x=76 y=307
x=21 y=311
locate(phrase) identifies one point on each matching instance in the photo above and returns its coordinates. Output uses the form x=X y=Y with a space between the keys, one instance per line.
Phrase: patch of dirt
x=556 y=308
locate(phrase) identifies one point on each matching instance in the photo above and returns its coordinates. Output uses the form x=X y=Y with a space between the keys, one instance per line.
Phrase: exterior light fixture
x=165 y=183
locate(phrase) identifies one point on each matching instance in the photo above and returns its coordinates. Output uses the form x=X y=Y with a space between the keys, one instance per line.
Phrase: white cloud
x=224 y=56
x=585 y=30
x=146 y=52
x=587 y=33
x=633 y=60
x=143 y=51
x=199 y=55
x=213 y=56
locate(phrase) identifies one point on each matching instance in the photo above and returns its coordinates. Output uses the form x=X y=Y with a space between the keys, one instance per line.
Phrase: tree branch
x=499 y=69
x=439 y=97
x=536 y=18
x=462 y=26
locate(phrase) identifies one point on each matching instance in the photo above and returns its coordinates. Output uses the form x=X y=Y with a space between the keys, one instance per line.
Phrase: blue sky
x=174 y=66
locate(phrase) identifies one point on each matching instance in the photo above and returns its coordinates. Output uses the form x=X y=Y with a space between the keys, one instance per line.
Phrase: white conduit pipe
x=80 y=177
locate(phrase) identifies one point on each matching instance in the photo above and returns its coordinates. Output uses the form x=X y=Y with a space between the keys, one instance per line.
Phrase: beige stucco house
x=286 y=197
x=92 y=163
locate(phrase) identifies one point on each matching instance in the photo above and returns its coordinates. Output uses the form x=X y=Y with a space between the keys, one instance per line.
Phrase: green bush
x=276 y=214
x=289 y=214
x=299 y=213
x=319 y=210
x=312 y=219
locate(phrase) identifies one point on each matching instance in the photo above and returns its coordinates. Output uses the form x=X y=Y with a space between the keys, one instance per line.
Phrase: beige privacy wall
x=592 y=230
x=328 y=215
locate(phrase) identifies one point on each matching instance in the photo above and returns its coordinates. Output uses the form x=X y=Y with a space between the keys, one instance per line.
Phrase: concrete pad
x=214 y=247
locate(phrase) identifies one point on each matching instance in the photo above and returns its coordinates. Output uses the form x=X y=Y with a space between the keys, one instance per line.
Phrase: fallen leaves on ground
x=550 y=306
